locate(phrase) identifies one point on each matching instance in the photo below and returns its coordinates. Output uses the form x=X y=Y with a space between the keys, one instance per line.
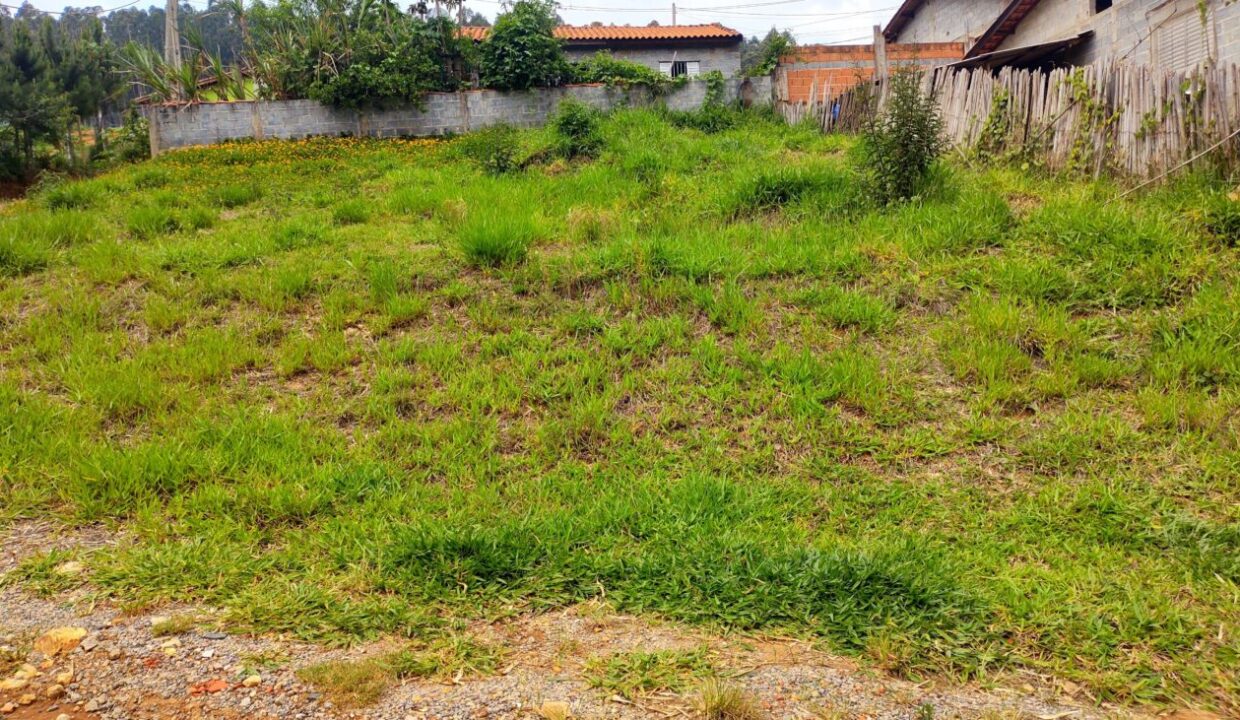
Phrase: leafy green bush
x=522 y=52
x=495 y=149
x=602 y=67
x=761 y=59
x=133 y=141
x=371 y=55
x=576 y=127
x=391 y=80
x=901 y=146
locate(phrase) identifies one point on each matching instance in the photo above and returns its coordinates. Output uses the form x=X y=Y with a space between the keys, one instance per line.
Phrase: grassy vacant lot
x=347 y=388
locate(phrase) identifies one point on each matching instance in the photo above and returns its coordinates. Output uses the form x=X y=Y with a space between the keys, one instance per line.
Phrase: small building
x=1171 y=34
x=675 y=50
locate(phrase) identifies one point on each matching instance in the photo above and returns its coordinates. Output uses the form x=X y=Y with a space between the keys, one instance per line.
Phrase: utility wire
x=100 y=11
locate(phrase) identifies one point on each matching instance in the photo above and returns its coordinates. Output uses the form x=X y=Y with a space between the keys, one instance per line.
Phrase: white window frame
x=692 y=68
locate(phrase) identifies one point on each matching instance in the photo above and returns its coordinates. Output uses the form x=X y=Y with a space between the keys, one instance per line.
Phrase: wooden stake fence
x=1127 y=119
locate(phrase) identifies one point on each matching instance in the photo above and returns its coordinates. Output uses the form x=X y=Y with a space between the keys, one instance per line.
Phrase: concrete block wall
x=1228 y=18
x=952 y=21
x=726 y=60
x=442 y=113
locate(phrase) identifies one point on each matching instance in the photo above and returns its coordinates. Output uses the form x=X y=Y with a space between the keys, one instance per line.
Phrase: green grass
x=987 y=433
x=631 y=674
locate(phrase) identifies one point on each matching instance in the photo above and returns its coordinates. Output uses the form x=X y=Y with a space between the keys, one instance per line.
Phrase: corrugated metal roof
x=570 y=33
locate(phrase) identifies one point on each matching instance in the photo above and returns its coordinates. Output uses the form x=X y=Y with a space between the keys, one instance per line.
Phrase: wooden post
x=880 y=64
x=172 y=42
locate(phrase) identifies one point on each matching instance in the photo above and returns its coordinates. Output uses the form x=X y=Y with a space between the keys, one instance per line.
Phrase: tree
x=353 y=53
x=522 y=51
x=759 y=57
x=32 y=106
x=475 y=18
x=84 y=64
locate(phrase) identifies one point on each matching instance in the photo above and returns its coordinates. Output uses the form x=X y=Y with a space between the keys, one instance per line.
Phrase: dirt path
x=122 y=670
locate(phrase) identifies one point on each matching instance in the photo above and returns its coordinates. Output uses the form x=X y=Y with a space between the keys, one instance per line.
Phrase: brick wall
x=828 y=70
x=726 y=60
x=442 y=113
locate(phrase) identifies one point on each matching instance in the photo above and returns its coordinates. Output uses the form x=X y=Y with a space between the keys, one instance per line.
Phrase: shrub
x=385 y=59
x=522 y=52
x=495 y=149
x=576 y=127
x=602 y=67
x=495 y=239
x=388 y=81
x=763 y=59
x=901 y=146
x=133 y=141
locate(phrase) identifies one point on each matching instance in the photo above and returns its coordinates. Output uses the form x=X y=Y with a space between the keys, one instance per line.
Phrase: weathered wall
x=442 y=113
x=951 y=21
x=828 y=70
x=726 y=60
x=1138 y=31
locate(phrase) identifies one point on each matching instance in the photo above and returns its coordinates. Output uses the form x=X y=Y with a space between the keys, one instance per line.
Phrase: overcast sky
x=811 y=21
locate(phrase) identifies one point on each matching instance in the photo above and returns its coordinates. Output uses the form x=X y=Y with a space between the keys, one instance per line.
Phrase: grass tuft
x=351 y=212
x=494 y=240
x=719 y=700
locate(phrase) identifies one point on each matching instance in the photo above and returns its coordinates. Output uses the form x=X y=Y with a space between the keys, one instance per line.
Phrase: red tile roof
x=713 y=31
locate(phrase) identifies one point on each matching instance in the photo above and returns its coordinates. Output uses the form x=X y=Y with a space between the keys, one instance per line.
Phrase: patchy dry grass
x=636 y=673
x=343 y=388
x=356 y=683
x=718 y=700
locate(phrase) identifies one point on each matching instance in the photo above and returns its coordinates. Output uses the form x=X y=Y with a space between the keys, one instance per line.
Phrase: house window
x=680 y=68
x=1100 y=5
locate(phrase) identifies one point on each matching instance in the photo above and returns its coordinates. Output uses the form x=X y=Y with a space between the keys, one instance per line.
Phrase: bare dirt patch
x=124 y=668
